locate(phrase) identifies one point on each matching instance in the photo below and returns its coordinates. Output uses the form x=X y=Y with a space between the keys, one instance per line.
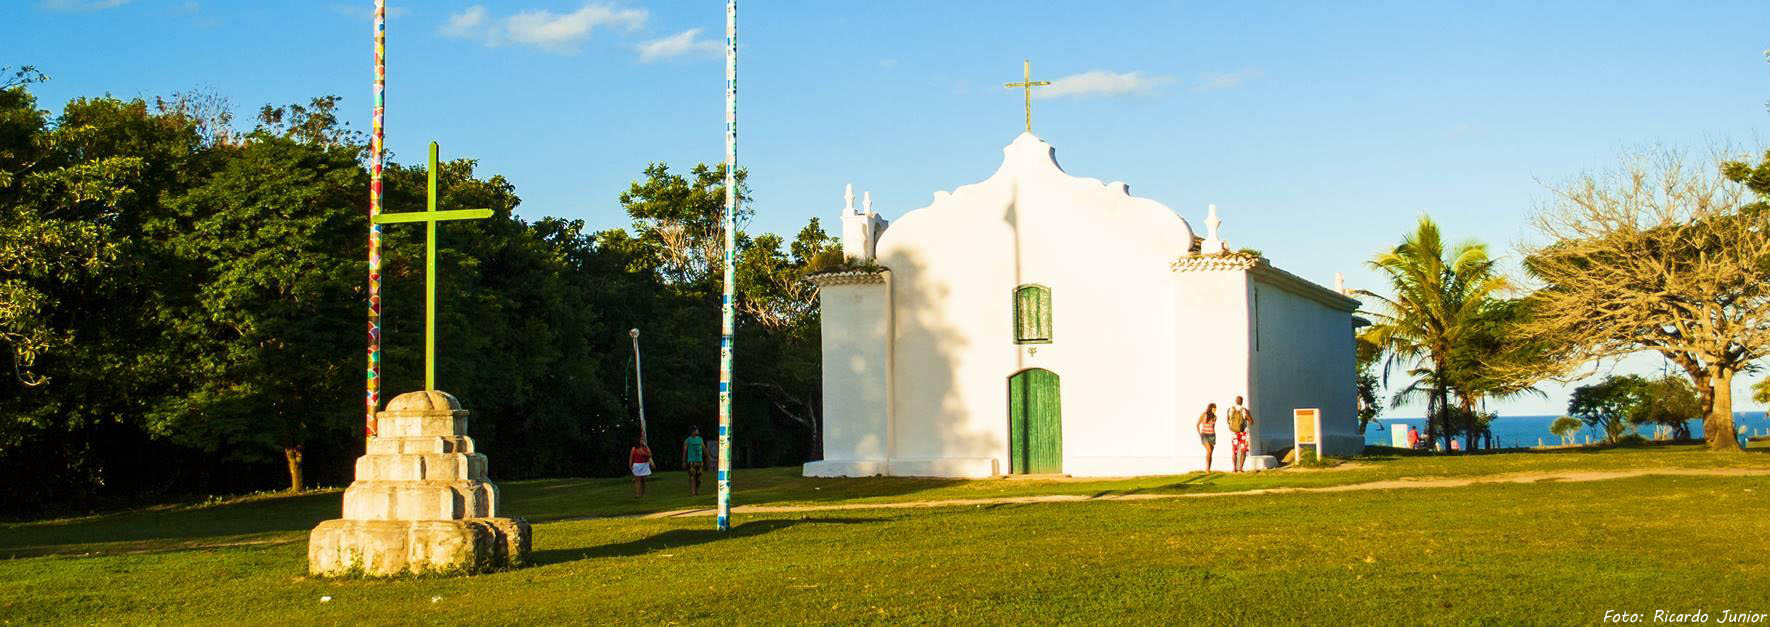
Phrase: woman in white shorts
x=640 y=457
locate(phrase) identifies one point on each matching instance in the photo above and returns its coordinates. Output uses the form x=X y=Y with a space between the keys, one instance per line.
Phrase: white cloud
x=82 y=5
x=554 y=32
x=1100 y=83
x=683 y=43
x=465 y=23
x=1226 y=80
x=561 y=33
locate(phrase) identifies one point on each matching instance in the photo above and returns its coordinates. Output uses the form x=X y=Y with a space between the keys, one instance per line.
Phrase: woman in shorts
x=1207 y=432
x=640 y=457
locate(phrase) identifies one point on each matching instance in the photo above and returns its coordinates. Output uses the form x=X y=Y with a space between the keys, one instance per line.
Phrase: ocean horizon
x=1527 y=431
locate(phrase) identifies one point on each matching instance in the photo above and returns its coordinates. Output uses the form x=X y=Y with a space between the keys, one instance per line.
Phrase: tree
x=1761 y=391
x=681 y=221
x=1566 y=427
x=1655 y=256
x=1438 y=294
x=775 y=291
x=1369 y=407
x=1491 y=360
x=273 y=239
x=1669 y=402
x=1608 y=404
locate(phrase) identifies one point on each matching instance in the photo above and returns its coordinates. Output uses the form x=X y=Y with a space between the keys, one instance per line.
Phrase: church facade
x=1038 y=322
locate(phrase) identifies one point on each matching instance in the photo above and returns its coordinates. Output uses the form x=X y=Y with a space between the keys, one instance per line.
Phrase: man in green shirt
x=694 y=459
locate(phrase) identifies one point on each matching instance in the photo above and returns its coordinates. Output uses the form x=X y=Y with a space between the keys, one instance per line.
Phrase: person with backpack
x=1240 y=422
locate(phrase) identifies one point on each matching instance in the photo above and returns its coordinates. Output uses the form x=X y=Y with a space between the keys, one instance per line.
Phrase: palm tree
x=1492 y=359
x=1438 y=300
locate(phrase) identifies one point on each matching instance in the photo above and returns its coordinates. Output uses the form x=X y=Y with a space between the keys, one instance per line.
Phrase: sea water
x=1524 y=431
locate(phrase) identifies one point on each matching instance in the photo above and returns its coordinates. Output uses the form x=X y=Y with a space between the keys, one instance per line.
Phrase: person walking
x=640 y=457
x=694 y=459
x=1207 y=432
x=1413 y=437
x=1241 y=421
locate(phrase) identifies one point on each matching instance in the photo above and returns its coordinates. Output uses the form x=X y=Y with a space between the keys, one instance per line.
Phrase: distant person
x=1455 y=444
x=1413 y=437
x=1241 y=421
x=694 y=459
x=1207 y=432
x=640 y=457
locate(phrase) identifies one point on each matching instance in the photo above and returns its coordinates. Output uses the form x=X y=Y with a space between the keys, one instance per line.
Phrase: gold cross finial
x=1027 y=84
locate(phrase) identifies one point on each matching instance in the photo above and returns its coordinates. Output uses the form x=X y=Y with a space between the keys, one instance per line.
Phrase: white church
x=1038 y=322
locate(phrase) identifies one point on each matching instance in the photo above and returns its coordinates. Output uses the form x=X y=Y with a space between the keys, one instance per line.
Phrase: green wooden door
x=1035 y=423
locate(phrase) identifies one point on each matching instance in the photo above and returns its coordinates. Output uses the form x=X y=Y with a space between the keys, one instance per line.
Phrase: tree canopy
x=182 y=302
x=1657 y=255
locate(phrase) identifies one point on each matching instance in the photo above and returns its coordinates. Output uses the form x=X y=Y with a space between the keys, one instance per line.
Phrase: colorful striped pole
x=373 y=399
x=728 y=319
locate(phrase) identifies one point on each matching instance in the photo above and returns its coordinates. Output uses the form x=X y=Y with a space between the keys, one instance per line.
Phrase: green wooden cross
x=430 y=217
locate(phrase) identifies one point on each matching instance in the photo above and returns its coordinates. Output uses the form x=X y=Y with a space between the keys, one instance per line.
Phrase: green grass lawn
x=1532 y=552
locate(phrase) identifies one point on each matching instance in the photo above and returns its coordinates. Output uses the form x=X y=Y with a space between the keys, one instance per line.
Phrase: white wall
x=1212 y=366
x=856 y=368
x=1304 y=358
x=1105 y=256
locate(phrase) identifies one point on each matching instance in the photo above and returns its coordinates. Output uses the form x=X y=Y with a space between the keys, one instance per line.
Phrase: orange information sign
x=1307 y=425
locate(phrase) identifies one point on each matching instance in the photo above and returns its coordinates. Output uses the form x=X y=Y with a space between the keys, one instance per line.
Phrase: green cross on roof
x=430 y=217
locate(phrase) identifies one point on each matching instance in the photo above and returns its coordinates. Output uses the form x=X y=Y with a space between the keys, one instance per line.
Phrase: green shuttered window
x=1032 y=314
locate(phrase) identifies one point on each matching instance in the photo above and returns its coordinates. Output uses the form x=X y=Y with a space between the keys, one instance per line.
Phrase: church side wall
x=1303 y=358
x=1213 y=341
x=856 y=367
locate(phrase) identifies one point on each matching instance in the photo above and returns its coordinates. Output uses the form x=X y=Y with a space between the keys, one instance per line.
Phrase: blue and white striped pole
x=728 y=321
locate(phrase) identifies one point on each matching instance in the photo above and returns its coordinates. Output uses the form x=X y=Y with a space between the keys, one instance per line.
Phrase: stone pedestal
x=421 y=501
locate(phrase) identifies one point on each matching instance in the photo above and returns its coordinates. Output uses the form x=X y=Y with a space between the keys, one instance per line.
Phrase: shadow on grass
x=1192 y=482
x=548 y=500
x=171 y=527
x=680 y=538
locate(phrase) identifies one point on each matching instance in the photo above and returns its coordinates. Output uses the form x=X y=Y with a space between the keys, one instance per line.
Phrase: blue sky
x=1321 y=132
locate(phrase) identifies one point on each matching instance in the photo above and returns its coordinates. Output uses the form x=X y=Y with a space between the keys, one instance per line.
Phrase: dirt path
x=1394 y=484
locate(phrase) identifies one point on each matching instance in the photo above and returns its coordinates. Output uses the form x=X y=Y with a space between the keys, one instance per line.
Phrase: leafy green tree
x=1369 y=385
x=1670 y=402
x=1491 y=360
x=1437 y=296
x=680 y=220
x=1608 y=404
x=274 y=241
x=775 y=292
x=1566 y=427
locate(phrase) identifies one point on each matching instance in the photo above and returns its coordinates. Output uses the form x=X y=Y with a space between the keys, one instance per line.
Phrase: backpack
x=1238 y=419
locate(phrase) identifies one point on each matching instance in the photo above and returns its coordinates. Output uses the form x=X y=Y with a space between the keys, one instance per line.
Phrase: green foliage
x=1441 y=301
x=679 y=220
x=1608 y=404
x=182 y=308
x=1616 y=403
x=1566 y=427
x=271 y=243
x=1670 y=402
x=1761 y=391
